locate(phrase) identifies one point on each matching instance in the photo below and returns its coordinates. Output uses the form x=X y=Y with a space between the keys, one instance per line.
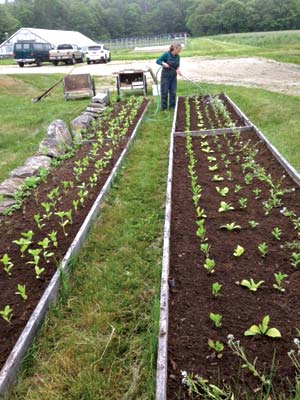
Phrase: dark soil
x=191 y=299
x=22 y=220
x=211 y=119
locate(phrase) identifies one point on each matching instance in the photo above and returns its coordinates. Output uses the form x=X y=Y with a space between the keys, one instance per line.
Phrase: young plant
x=39 y=221
x=21 y=291
x=217 y=178
x=222 y=191
x=53 y=237
x=225 y=207
x=253 y=224
x=216 y=288
x=45 y=244
x=8 y=265
x=263 y=329
x=47 y=208
x=237 y=188
x=216 y=346
x=239 y=251
x=231 y=226
x=263 y=249
x=279 y=278
x=257 y=193
x=276 y=232
x=6 y=313
x=229 y=175
x=216 y=319
x=24 y=242
x=209 y=265
x=213 y=167
x=295 y=259
x=65 y=219
x=243 y=201
x=251 y=285
x=38 y=271
x=205 y=247
x=36 y=256
x=201 y=231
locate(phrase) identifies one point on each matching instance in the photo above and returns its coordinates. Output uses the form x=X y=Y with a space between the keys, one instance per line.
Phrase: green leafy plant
x=257 y=193
x=213 y=167
x=53 y=237
x=38 y=271
x=263 y=329
x=237 y=188
x=263 y=249
x=239 y=251
x=200 y=212
x=47 y=208
x=25 y=241
x=205 y=247
x=216 y=288
x=21 y=291
x=277 y=232
x=243 y=201
x=201 y=231
x=209 y=265
x=65 y=219
x=253 y=224
x=6 y=313
x=251 y=285
x=39 y=221
x=216 y=319
x=225 y=207
x=45 y=244
x=229 y=175
x=222 y=191
x=295 y=259
x=279 y=278
x=8 y=265
x=217 y=178
x=216 y=346
x=231 y=226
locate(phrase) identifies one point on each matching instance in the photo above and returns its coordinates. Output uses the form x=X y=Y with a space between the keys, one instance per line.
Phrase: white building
x=45 y=36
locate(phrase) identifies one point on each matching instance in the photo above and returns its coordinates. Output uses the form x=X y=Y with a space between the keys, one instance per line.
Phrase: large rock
x=79 y=125
x=24 y=172
x=10 y=186
x=57 y=140
x=39 y=161
x=6 y=203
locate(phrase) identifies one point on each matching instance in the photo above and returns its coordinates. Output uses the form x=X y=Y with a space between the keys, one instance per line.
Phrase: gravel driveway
x=250 y=72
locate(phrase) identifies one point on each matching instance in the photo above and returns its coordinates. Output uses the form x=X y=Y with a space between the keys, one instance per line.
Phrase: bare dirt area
x=250 y=72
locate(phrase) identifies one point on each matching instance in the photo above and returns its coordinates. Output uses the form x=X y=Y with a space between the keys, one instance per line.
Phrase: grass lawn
x=99 y=342
x=23 y=123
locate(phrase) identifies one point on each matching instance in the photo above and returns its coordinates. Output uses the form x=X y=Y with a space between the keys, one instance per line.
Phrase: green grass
x=100 y=341
x=23 y=123
x=281 y=46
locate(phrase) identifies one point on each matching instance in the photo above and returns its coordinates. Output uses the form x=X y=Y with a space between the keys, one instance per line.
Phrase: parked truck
x=67 y=53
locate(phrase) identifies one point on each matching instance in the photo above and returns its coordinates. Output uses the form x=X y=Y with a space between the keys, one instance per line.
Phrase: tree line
x=105 y=19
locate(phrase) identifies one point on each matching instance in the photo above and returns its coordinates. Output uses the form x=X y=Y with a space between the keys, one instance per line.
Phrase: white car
x=97 y=53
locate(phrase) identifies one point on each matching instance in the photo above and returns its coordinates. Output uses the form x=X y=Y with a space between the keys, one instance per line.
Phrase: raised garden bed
x=54 y=220
x=261 y=202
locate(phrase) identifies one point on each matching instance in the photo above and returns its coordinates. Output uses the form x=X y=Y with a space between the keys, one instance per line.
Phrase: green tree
x=8 y=23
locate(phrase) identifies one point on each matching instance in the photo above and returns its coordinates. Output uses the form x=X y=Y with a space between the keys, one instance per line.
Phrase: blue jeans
x=168 y=88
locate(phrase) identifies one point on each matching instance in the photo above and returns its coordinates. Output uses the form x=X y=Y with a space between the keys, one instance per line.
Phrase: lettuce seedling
x=6 y=313
x=257 y=193
x=276 y=232
x=217 y=178
x=24 y=242
x=225 y=206
x=209 y=265
x=239 y=251
x=216 y=288
x=38 y=271
x=279 y=278
x=243 y=201
x=39 y=221
x=253 y=224
x=8 y=265
x=230 y=226
x=222 y=191
x=251 y=285
x=263 y=329
x=21 y=291
x=237 y=188
x=216 y=319
x=53 y=237
x=216 y=346
x=263 y=249
x=205 y=247
x=213 y=167
x=295 y=259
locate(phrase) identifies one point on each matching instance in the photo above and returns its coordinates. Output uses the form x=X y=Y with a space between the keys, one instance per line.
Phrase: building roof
x=54 y=37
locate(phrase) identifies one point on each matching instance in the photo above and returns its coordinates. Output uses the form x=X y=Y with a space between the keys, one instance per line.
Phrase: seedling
x=253 y=224
x=263 y=329
x=216 y=346
x=213 y=167
x=229 y=175
x=295 y=259
x=257 y=193
x=216 y=288
x=276 y=232
x=8 y=265
x=243 y=201
x=216 y=319
x=239 y=251
x=65 y=219
x=222 y=191
x=251 y=285
x=225 y=206
x=38 y=271
x=36 y=256
x=21 y=291
x=53 y=237
x=231 y=226
x=237 y=188
x=279 y=278
x=39 y=221
x=6 y=313
x=217 y=178
x=45 y=244
x=209 y=265
x=201 y=231
x=24 y=242
x=47 y=207
x=205 y=247
x=211 y=158
x=263 y=249
x=200 y=212
x=248 y=178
